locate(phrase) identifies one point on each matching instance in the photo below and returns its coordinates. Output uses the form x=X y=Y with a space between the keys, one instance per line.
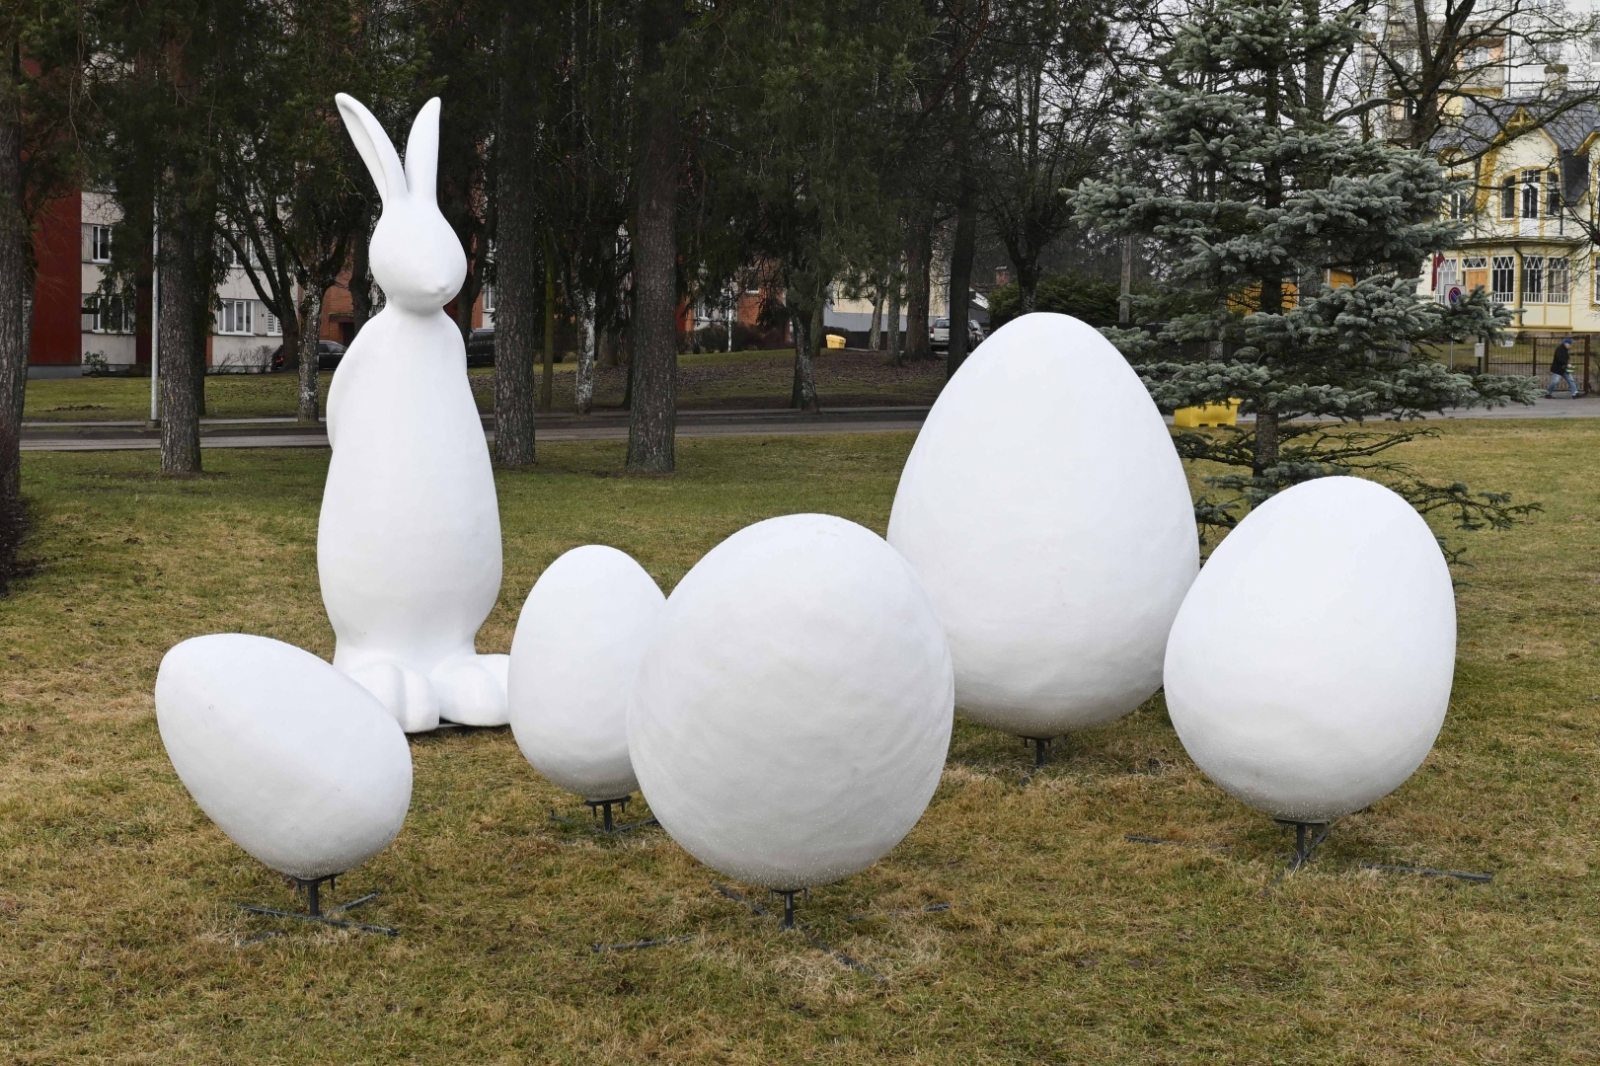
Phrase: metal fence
x=1529 y=357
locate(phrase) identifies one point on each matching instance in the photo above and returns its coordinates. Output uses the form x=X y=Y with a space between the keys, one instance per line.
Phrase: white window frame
x=1503 y=267
x=233 y=318
x=1449 y=273
x=99 y=244
x=1533 y=279
x=274 y=327
x=1530 y=194
x=1557 y=267
x=102 y=313
x=488 y=299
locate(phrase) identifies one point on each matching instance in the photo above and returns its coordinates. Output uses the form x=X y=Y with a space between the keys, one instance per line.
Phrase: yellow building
x=1528 y=196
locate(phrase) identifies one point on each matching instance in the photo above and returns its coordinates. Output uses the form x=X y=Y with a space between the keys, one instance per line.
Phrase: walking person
x=1561 y=369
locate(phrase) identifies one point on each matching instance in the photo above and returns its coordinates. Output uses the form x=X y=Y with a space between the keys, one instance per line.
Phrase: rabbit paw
x=407 y=694
x=472 y=689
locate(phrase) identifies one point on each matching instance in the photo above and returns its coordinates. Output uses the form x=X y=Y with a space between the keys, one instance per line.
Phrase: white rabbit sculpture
x=408 y=546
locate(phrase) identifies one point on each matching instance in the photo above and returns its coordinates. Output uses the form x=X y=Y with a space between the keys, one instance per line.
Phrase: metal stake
x=788 y=895
x=1302 y=847
x=605 y=805
x=1041 y=749
x=314 y=908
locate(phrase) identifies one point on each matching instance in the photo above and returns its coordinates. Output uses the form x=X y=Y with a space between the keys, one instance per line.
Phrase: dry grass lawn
x=120 y=940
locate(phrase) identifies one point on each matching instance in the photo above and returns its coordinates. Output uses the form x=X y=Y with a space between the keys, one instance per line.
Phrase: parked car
x=939 y=334
x=328 y=355
x=480 y=347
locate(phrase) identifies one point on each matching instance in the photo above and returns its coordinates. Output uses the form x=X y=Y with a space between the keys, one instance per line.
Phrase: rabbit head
x=415 y=255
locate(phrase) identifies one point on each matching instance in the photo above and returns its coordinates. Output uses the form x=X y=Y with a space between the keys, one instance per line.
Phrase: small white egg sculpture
x=579 y=640
x=791 y=717
x=1309 y=669
x=299 y=765
x=1049 y=516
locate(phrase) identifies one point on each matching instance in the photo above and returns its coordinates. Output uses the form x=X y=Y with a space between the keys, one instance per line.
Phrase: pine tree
x=1298 y=247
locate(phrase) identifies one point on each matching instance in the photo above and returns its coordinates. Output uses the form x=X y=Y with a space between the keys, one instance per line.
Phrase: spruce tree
x=1297 y=247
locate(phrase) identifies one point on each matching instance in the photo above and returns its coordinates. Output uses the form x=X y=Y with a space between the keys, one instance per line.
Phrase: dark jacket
x=1562 y=359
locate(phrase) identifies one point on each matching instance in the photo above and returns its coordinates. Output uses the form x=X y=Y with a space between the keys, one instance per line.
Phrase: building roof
x=1483 y=120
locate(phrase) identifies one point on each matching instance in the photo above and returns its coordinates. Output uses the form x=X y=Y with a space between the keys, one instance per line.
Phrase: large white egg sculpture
x=579 y=640
x=791 y=717
x=1310 y=667
x=1048 y=513
x=299 y=765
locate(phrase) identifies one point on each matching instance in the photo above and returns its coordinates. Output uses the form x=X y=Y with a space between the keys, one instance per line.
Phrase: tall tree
x=38 y=160
x=456 y=61
x=291 y=191
x=1260 y=204
x=652 y=423
x=164 y=65
x=1056 y=82
x=517 y=239
x=803 y=111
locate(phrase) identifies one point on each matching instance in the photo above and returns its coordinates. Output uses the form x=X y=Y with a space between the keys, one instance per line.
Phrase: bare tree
x=1055 y=84
x=1466 y=71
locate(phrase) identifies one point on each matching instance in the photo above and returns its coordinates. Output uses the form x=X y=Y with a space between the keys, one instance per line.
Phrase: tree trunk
x=919 y=262
x=894 y=318
x=310 y=315
x=961 y=254
x=290 y=338
x=1125 y=301
x=631 y=362
x=467 y=298
x=205 y=319
x=807 y=327
x=16 y=288
x=180 y=384
x=516 y=241
x=1027 y=268
x=873 y=340
x=1266 y=442
x=653 y=422
x=361 y=277
x=547 y=388
x=583 y=385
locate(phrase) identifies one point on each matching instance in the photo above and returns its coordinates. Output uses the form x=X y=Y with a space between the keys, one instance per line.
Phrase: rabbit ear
x=422 y=154
x=375 y=147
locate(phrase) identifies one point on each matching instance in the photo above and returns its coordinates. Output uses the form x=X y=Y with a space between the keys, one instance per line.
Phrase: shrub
x=1090 y=299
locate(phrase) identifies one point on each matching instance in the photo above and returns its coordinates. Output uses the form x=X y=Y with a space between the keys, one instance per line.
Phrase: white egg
x=299 y=765
x=791 y=717
x=1310 y=667
x=582 y=632
x=1048 y=514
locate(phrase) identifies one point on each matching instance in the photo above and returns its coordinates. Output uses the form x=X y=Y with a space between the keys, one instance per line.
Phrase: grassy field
x=709 y=380
x=120 y=942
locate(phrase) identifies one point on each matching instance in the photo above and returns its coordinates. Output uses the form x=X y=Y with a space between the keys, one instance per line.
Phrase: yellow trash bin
x=835 y=341
x=1210 y=414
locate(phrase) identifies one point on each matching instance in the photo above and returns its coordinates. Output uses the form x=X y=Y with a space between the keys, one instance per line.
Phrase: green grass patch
x=119 y=941
x=714 y=380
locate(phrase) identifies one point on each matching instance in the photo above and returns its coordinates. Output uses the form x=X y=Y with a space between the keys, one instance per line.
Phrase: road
x=286 y=433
